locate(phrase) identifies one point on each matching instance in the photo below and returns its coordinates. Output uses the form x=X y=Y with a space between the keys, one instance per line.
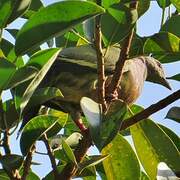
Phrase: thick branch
x=51 y=157
x=116 y=79
x=6 y=142
x=27 y=163
x=100 y=64
x=150 y=110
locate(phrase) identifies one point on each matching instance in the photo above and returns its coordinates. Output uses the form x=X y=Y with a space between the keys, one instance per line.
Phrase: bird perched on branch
x=75 y=74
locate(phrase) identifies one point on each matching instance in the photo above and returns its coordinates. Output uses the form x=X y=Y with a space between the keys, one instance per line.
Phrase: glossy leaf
x=21 y=75
x=5 y=10
x=11 y=161
x=48 y=57
x=174 y=137
x=8 y=51
x=7 y=70
x=153 y=146
x=34 y=129
x=174 y=114
x=43 y=95
x=92 y=161
x=163 y=46
x=69 y=153
x=176 y=3
x=175 y=77
x=59 y=16
x=122 y=162
x=93 y=113
x=172 y=25
x=116 y=23
x=111 y=122
x=19 y=8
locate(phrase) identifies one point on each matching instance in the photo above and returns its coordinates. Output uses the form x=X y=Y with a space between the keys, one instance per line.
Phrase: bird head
x=155 y=72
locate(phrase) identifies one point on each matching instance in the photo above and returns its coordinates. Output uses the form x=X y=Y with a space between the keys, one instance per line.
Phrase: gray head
x=155 y=72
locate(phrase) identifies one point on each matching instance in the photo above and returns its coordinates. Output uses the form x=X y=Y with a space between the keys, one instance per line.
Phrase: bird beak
x=166 y=84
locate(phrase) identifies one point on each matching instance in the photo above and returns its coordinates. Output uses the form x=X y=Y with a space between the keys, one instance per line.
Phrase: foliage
x=72 y=23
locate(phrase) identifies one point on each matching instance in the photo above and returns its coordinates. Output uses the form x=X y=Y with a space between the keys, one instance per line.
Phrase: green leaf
x=7 y=70
x=143 y=6
x=111 y=122
x=8 y=50
x=43 y=95
x=172 y=25
x=122 y=162
x=116 y=23
x=10 y=117
x=153 y=146
x=163 y=3
x=3 y=175
x=144 y=176
x=47 y=57
x=34 y=129
x=19 y=8
x=92 y=161
x=5 y=10
x=21 y=75
x=174 y=114
x=174 y=137
x=163 y=46
x=11 y=161
x=69 y=153
x=59 y=16
x=176 y=3
x=175 y=77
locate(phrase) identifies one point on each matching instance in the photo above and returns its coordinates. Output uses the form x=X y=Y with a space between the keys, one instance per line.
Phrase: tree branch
x=6 y=142
x=100 y=61
x=27 y=163
x=150 y=110
x=51 y=157
x=116 y=79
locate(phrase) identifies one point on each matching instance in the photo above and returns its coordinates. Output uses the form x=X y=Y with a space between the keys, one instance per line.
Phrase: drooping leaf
x=122 y=162
x=8 y=51
x=47 y=57
x=116 y=23
x=176 y=3
x=7 y=70
x=19 y=8
x=11 y=161
x=111 y=122
x=5 y=10
x=163 y=3
x=34 y=129
x=174 y=137
x=93 y=113
x=175 y=77
x=69 y=153
x=60 y=16
x=163 y=46
x=172 y=25
x=143 y=6
x=21 y=75
x=174 y=114
x=153 y=146
x=92 y=161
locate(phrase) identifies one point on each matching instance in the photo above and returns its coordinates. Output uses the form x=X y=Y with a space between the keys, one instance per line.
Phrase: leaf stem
x=150 y=110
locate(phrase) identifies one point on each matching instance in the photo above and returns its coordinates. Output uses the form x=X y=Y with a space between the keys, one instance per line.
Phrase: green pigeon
x=75 y=73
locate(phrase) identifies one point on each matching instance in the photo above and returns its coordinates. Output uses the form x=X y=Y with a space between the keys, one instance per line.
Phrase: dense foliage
x=71 y=23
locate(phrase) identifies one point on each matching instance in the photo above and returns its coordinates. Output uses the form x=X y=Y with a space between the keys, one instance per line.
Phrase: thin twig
x=150 y=110
x=27 y=163
x=51 y=157
x=100 y=63
x=116 y=79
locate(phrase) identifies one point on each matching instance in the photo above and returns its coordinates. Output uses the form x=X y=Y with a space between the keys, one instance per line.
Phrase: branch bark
x=150 y=110
x=117 y=76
